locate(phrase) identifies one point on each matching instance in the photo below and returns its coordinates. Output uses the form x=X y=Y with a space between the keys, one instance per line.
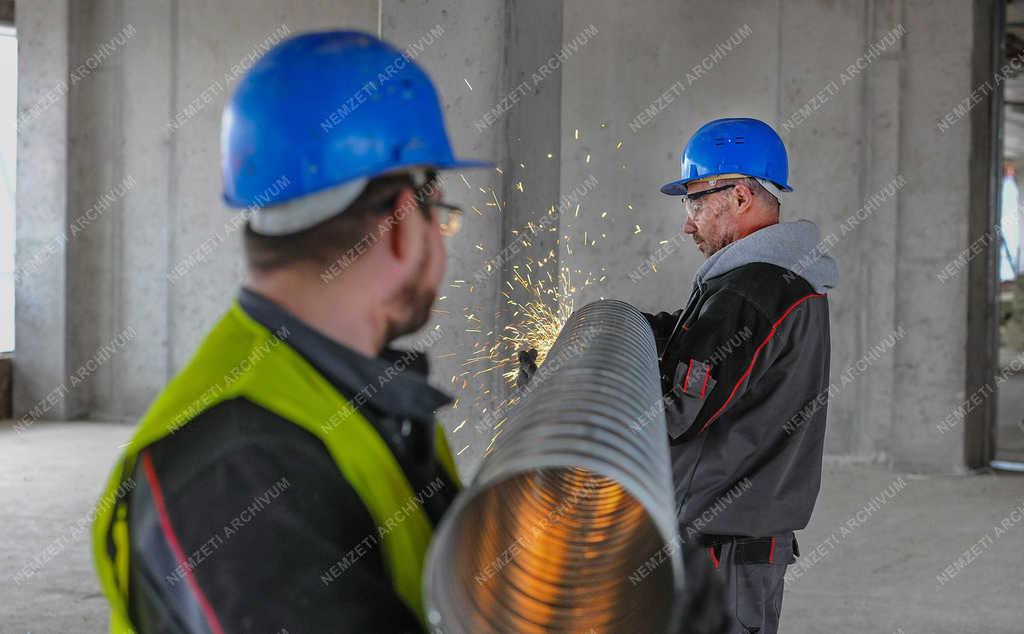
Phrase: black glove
x=527 y=367
x=662 y=325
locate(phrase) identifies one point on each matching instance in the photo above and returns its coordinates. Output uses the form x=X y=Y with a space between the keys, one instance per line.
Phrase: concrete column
x=95 y=206
x=877 y=277
x=148 y=150
x=932 y=232
x=41 y=366
x=822 y=119
x=466 y=62
x=530 y=125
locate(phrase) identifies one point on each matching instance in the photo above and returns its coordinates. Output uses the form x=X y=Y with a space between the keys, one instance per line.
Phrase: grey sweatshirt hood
x=795 y=246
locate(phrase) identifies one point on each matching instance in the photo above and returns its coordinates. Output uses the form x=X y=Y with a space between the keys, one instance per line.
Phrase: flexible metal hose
x=569 y=525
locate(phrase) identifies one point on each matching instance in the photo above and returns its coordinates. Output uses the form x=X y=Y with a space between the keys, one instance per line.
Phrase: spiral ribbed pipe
x=562 y=526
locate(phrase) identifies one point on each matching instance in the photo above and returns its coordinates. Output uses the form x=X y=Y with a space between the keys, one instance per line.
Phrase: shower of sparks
x=534 y=322
x=490 y=445
x=538 y=295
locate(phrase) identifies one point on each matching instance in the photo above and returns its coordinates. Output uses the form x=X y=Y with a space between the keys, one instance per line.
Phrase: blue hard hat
x=327 y=108
x=733 y=146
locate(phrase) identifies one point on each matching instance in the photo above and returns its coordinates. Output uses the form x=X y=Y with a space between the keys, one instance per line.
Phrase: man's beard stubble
x=419 y=297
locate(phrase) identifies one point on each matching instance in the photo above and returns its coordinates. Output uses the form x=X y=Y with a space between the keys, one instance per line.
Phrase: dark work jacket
x=745 y=371
x=274 y=573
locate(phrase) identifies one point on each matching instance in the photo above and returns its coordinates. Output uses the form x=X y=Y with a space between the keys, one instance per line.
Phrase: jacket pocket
x=691 y=385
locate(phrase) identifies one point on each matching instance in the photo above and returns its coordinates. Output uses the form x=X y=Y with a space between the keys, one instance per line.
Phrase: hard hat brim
x=238 y=202
x=463 y=164
x=675 y=188
x=678 y=188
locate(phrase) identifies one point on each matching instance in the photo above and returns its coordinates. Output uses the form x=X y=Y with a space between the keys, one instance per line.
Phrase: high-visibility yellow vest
x=241 y=358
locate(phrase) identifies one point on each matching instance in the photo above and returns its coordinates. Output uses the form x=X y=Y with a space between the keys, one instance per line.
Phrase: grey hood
x=795 y=246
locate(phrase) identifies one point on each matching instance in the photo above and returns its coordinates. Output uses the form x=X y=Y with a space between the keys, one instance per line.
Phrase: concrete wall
x=629 y=83
x=863 y=143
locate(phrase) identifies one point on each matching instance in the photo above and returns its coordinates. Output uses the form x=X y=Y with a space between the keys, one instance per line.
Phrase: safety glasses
x=449 y=216
x=689 y=200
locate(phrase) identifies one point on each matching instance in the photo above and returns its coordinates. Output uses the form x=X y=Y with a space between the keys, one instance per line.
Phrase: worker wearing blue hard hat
x=745 y=367
x=290 y=477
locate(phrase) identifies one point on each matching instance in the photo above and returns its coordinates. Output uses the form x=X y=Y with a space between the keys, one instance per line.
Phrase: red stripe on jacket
x=750 y=367
x=172 y=539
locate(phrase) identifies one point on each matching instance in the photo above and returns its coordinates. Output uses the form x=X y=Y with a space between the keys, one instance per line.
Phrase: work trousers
x=750 y=578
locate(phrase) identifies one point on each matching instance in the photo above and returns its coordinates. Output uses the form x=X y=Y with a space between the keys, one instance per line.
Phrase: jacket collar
x=393 y=384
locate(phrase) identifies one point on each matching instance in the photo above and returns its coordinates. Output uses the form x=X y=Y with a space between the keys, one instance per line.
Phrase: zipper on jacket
x=694 y=296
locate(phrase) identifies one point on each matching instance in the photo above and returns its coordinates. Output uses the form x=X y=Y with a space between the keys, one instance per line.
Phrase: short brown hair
x=757 y=188
x=325 y=242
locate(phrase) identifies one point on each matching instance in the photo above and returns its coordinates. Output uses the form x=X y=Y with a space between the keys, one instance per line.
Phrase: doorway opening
x=1008 y=242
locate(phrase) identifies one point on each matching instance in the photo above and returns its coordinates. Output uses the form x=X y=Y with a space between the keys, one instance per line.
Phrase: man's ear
x=403 y=228
x=744 y=197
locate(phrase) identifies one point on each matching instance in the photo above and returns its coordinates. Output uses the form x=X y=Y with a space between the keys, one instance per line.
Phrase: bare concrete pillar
x=41 y=313
x=465 y=57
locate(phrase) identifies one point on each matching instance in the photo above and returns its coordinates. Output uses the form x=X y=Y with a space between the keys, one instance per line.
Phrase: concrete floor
x=50 y=478
x=878 y=577
x=882 y=576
